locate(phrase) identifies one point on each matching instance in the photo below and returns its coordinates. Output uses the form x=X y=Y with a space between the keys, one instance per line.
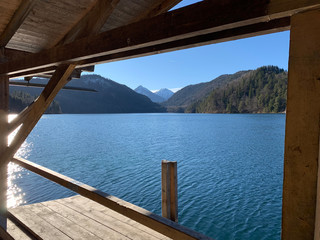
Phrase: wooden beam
x=49 y=71
x=18 y=120
x=5 y=235
x=16 y=21
x=153 y=221
x=33 y=113
x=31 y=73
x=272 y=26
x=4 y=110
x=40 y=85
x=158 y=8
x=8 y=54
x=184 y=23
x=301 y=188
x=92 y=22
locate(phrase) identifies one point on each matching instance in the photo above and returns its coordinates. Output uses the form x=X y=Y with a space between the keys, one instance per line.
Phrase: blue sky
x=202 y=64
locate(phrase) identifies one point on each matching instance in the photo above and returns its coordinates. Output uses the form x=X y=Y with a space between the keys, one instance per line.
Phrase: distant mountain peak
x=140 y=88
x=153 y=97
x=111 y=97
x=164 y=93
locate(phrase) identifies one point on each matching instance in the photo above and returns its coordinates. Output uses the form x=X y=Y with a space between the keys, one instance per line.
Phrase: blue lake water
x=230 y=167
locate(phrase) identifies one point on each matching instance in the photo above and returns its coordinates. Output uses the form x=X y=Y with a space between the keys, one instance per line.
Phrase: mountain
x=152 y=96
x=263 y=90
x=111 y=97
x=18 y=100
x=193 y=93
x=164 y=93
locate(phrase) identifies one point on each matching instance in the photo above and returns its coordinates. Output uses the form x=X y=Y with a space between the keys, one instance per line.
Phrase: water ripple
x=229 y=166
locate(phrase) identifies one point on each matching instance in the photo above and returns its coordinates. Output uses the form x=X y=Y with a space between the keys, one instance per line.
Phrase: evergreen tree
x=261 y=90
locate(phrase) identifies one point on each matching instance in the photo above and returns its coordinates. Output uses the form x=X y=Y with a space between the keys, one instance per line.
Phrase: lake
x=230 y=166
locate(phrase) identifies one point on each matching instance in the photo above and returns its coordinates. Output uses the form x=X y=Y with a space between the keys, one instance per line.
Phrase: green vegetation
x=260 y=91
x=111 y=97
x=18 y=100
x=193 y=93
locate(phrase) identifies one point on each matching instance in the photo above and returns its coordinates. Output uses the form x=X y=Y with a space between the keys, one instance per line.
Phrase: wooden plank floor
x=77 y=218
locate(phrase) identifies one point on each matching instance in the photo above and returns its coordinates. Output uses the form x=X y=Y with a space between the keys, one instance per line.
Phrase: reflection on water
x=229 y=166
x=15 y=196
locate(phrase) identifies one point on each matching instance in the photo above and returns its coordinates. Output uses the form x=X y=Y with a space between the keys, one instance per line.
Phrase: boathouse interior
x=60 y=39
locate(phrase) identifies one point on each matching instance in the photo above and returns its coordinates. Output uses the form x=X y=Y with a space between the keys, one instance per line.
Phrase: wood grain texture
x=78 y=218
x=98 y=208
x=169 y=193
x=19 y=16
x=153 y=221
x=39 y=227
x=190 y=22
x=48 y=23
x=272 y=26
x=4 y=111
x=17 y=232
x=7 y=10
x=33 y=113
x=301 y=157
x=92 y=23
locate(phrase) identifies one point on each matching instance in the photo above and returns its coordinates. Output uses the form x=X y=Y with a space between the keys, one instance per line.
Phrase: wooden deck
x=75 y=218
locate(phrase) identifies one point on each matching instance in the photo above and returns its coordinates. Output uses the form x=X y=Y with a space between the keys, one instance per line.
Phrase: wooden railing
x=160 y=224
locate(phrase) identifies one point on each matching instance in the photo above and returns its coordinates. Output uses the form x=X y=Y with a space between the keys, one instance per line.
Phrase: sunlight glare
x=15 y=196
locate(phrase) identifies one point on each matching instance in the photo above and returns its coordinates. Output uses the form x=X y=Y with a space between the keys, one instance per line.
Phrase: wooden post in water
x=169 y=190
x=4 y=106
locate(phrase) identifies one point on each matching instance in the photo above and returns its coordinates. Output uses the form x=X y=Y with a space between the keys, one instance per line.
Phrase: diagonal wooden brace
x=32 y=114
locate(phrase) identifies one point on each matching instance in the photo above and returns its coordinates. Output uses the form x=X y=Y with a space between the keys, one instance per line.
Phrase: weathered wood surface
x=92 y=22
x=51 y=20
x=16 y=21
x=4 y=235
x=301 y=189
x=4 y=107
x=192 y=21
x=78 y=218
x=169 y=193
x=32 y=114
x=17 y=232
x=149 y=219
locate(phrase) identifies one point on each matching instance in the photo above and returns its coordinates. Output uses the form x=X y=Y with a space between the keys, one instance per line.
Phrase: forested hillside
x=259 y=91
x=111 y=97
x=18 y=100
x=193 y=93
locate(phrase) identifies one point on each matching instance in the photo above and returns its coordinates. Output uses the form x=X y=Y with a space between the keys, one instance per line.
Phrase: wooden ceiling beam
x=92 y=23
x=16 y=21
x=158 y=9
x=48 y=71
x=194 y=21
x=274 y=26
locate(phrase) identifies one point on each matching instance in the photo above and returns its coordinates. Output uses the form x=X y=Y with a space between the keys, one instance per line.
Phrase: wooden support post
x=301 y=189
x=33 y=113
x=169 y=190
x=4 y=106
x=162 y=225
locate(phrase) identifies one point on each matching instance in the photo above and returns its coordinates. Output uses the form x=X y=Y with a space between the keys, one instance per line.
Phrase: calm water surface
x=229 y=166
